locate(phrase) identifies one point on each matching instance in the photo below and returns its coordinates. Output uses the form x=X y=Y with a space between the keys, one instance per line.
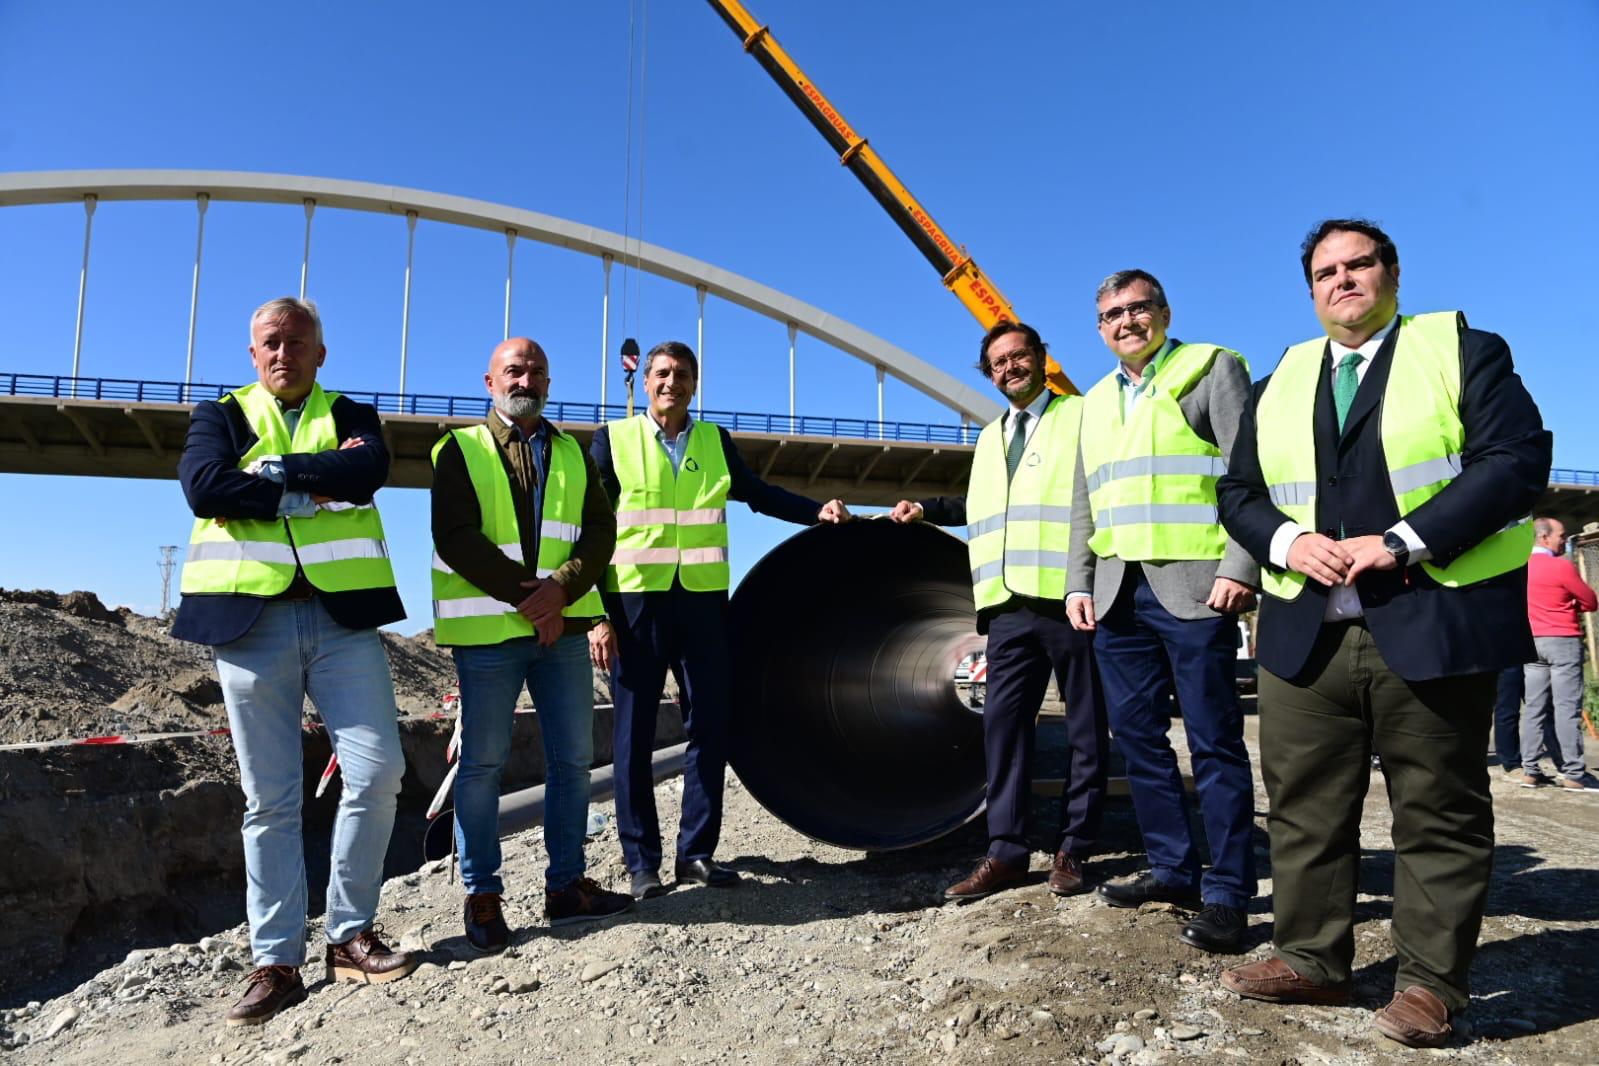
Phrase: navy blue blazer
x=746 y=487
x=1423 y=629
x=219 y=435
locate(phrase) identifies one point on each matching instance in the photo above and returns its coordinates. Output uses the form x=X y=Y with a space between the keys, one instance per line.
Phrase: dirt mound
x=70 y=667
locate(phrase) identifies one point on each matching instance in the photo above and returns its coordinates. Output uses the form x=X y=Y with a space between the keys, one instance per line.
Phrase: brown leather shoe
x=1415 y=1018
x=990 y=876
x=366 y=960
x=1066 y=876
x=1274 y=981
x=269 y=990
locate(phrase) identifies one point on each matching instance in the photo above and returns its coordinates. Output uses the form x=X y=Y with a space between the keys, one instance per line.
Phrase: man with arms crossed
x=288 y=578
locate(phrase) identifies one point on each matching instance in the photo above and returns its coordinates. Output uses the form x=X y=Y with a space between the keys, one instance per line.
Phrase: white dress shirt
x=1035 y=411
x=1343 y=601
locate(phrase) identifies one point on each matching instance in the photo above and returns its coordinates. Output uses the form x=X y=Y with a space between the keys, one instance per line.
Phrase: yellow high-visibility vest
x=1018 y=529
x=1151 y=478
x=1422 y=439
x=464 y=613
x=341 y=548
x=669 y=524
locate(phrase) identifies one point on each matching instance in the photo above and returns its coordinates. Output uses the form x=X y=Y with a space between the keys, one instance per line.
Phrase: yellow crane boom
x=960 y=273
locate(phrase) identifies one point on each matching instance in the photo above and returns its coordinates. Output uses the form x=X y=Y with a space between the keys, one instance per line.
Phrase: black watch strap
x=1396 y=547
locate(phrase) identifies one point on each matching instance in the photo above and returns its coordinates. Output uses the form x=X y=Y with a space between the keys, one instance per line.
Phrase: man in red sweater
x=1555 y=596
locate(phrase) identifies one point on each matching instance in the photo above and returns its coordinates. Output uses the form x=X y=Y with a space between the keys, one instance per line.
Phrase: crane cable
x=637 y=61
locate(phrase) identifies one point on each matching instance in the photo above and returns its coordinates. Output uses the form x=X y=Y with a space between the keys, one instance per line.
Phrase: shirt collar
x=660 y=430
x=1149 y=368
x=1540 y=549
x=1035 y=409
x=1369 y=349
x=516 y=430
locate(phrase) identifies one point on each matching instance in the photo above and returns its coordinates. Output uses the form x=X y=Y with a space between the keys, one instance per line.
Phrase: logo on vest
x=1034 y=458
x=690 y=464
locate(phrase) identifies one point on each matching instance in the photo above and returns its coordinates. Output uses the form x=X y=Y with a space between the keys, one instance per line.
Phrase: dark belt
x=299 y=589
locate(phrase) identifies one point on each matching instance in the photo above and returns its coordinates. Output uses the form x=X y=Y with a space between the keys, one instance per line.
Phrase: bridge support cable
x=201 y=201
x=793 y=332
x=89 y=201
x=510 y=263
x=305 y=256
x=699 y=345
x=405 y=307
x=880 y=375
x=605 y=339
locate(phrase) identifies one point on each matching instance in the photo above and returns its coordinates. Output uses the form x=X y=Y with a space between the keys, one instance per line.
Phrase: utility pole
x=169 y=560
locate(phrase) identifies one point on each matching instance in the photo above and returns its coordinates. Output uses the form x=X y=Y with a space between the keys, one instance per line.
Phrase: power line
x=169 y=561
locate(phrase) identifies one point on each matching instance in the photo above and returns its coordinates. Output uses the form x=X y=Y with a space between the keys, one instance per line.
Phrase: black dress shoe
x=705 y=872
x=647 y=885
x=1146 y=888
x=1216 y=929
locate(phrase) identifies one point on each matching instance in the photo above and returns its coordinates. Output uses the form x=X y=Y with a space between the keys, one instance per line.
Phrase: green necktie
x=1018 y=441
x=1346 y=382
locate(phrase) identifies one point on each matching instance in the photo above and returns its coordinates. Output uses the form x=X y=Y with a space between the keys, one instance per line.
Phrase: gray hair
x=675 y=349
x=288 y=305
x=1123 y=278
x=1542 y=527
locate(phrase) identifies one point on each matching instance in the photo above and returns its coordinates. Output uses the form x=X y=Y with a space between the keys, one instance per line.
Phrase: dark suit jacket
x=1422 y=629
x=215 y=487
x=746 y=488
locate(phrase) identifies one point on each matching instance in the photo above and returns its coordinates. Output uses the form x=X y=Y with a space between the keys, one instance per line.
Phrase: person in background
x=1557 y=597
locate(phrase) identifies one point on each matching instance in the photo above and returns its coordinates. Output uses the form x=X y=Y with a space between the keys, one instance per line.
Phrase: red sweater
x=1555 y=593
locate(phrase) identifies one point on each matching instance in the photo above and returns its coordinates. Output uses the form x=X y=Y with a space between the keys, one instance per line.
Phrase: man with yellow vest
x=1383 y=477
x=1017 y=513
x=1156 y=580
x=521 y=534
x=287 y=578
x=666 y=595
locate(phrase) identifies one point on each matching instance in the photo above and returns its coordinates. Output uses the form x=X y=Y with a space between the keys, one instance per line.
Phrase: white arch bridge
x=67 y=424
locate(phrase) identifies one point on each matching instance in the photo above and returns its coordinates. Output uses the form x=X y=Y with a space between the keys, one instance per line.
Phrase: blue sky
x=1058 y=142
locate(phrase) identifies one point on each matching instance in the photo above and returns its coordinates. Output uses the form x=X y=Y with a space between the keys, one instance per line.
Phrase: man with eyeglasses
x=1382 y=476
x=1156 y=580
x=1017 y=511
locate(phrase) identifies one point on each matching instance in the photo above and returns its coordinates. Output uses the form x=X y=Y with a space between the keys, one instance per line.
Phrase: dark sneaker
x=268 y=990
x=366 y=960
x=486 y=931
x=583 y=901
x=1585 y=783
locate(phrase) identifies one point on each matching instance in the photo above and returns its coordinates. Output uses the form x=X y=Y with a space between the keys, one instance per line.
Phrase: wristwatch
x=1396 y=547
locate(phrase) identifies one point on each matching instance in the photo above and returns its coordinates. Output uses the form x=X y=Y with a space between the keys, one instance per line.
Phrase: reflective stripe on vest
x=1151 y=479
x=340 y=548
x=1018 y=529
x=669 y=524
x=1422 y=440
x=462 y=612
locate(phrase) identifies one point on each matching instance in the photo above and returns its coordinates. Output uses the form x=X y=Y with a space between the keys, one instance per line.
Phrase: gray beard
x=522 y=407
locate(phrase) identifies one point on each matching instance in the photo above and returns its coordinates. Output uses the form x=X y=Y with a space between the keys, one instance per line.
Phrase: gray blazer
x=1212 y=408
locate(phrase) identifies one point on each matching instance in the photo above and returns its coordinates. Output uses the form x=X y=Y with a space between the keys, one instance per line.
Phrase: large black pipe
x=846 y=721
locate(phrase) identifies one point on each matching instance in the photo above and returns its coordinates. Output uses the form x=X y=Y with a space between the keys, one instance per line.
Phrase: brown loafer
x=366 y=960
x=1274 y=981
x=990 y=876
x=1415 y=1018
x=270 y=989
x=1066 y=876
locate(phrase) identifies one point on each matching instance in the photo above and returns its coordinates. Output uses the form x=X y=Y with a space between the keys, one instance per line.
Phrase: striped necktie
x=1346 y=382
x=1018 y=442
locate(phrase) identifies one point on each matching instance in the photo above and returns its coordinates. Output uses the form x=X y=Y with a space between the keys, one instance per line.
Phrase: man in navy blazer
x=1384 y=626
x=287 y=578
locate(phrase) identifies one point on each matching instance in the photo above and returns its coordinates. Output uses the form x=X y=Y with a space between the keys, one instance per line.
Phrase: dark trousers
x=1507 y=717
x=1317 y=734
x=1145 y=653
x=1024 y=648
x=687 y=633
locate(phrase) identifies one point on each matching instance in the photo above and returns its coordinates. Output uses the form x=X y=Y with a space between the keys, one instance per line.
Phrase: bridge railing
x=135 y=391
x=1564 y=476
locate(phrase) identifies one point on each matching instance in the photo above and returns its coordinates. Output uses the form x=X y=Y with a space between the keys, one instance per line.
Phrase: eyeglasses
x=1137 y=309
x=1002 y=361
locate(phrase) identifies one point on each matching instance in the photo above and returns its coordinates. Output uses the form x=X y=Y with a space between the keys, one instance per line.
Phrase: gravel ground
x=826 y=956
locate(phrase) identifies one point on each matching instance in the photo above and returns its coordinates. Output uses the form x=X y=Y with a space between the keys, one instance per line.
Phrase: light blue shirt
x=294 y=503
x=1129 y=392
x=675 y=446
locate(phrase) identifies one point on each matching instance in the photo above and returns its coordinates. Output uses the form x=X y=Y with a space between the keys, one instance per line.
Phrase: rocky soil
x=826 y=956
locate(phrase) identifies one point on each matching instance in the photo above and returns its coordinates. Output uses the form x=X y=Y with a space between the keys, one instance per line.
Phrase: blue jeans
x=1146 y=653
x=296 y=649
x=562 y=685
